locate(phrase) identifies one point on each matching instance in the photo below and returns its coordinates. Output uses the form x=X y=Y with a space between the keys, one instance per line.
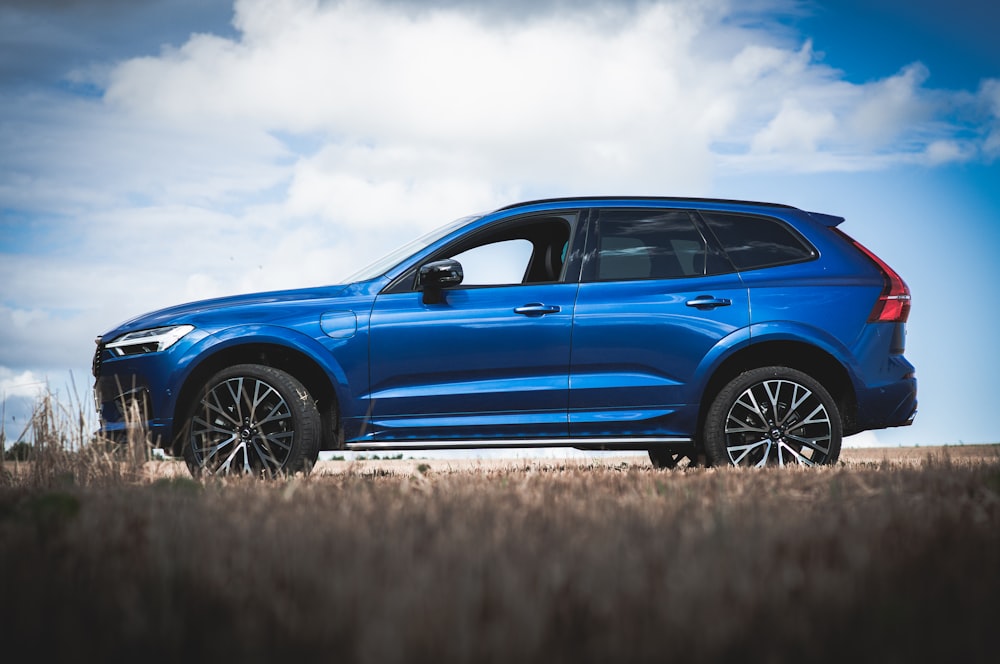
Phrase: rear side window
x=650 y=244
x=754 y=242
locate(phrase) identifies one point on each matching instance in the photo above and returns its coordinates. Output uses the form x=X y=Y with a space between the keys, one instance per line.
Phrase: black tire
x=252 y=419
x=773 y=416
x=667 y=459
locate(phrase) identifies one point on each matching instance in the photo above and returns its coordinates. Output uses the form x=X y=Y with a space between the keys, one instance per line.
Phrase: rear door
x=657 y=299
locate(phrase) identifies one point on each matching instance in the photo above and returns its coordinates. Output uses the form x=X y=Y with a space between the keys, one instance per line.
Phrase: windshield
x=391 y=260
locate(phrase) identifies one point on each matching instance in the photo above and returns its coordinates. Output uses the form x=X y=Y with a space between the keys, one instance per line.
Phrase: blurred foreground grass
x=889 y=561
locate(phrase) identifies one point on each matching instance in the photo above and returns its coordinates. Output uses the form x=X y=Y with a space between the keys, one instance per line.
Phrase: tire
x=252 y=419
x=667 y=459
x=773 y=416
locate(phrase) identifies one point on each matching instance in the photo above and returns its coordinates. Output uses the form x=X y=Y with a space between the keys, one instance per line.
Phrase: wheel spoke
x=797 y=456
x=753 y=406
x=265 y=456
x=279 y=412
x=209 y=450
x=812 y=419
x=210 y=427
x=796 y=401
x=274 y=438
x=745 y=428
x=217 y=408
x=747 y=449
x=234 y=397
x=247 y=470
x=228 y=462
x=772 y=396
x=259 y=398
x=812 y=443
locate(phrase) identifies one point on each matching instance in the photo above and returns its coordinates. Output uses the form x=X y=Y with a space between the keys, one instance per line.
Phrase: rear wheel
x=773 y=416
x=252 y=419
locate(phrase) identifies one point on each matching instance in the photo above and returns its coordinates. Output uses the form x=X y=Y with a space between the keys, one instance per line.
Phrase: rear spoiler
x=826 y=219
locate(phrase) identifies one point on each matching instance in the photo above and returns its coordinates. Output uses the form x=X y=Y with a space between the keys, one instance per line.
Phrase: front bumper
x=133 y=394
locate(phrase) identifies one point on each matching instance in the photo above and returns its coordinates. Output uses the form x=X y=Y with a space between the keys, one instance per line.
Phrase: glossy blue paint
x=561 y=358
x=637 y=347
x=472 y=361
x=339 y=324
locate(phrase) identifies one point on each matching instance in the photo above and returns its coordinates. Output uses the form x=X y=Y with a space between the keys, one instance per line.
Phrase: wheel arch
x=794 y=354
x=290 y=360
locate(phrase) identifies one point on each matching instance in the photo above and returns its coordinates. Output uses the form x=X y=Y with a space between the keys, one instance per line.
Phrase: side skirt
x=624 y=443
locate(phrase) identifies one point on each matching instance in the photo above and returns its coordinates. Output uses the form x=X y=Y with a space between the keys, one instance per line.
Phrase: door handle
x=709 y=302
x=537 y=309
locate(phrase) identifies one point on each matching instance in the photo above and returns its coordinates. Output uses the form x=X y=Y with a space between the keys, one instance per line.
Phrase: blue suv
x=728 y=332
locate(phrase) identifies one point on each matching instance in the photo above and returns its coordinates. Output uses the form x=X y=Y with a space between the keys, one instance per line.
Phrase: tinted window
x=650 y=244
x=754 y=242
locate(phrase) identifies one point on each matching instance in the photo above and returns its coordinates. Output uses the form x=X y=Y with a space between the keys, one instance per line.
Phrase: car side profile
x=731 y=332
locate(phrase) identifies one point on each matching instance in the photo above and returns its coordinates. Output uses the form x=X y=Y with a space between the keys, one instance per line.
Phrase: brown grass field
x=892 y=555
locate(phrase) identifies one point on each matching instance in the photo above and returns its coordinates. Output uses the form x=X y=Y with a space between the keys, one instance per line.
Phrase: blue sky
x=170 y=150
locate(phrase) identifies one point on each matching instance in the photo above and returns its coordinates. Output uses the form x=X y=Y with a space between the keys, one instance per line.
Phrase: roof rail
x=680 y=199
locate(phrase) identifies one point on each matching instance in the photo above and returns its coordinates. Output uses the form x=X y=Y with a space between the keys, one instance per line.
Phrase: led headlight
x=153 y=340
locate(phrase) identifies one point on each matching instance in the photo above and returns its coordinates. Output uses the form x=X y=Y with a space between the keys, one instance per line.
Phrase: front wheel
x=773 y=416
x=668 y=459
x=252 y=419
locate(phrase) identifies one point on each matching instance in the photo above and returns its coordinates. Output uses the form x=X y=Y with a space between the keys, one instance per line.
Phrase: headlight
x=148 y=341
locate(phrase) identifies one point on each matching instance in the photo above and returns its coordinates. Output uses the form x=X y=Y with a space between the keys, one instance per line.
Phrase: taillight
x=893 y=304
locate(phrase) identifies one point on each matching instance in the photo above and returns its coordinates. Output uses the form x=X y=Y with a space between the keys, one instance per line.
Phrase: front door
x=488 y=359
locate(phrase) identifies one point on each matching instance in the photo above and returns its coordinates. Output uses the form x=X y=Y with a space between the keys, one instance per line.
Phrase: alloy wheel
x=242 y=425
x=779 y=422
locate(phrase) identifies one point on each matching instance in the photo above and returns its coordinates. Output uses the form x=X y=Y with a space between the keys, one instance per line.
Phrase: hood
x=232 y=310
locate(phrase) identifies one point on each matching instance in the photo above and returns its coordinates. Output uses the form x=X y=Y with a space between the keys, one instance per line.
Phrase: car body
x=596 y=323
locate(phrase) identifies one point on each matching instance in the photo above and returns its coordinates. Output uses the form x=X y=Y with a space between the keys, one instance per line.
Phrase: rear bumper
x=891 y=405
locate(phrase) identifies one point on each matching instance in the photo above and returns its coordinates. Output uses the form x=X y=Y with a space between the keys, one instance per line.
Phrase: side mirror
x=436 y=276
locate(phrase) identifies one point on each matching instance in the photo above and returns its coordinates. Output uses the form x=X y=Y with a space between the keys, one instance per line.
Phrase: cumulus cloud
x=426 y=100
x=548 y=101
x=310 y=137
x=20 y=383
x=794 y=130
x=990 y=95
x=888 y=107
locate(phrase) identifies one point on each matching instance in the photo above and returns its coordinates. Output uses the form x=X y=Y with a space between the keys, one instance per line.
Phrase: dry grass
x=62 y=451
x=400 y=561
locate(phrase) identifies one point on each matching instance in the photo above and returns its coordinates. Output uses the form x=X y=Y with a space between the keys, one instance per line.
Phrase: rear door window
x=651 y=244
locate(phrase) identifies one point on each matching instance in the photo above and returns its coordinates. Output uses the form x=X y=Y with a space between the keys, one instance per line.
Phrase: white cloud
x=990 y=94
x=405 y=107
x=20 y=384
x=442 y=104
x=547 y=101
x=943 y=152
x=889 y=107
x=362 y=187
x=794 y=130
x=323 y=134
